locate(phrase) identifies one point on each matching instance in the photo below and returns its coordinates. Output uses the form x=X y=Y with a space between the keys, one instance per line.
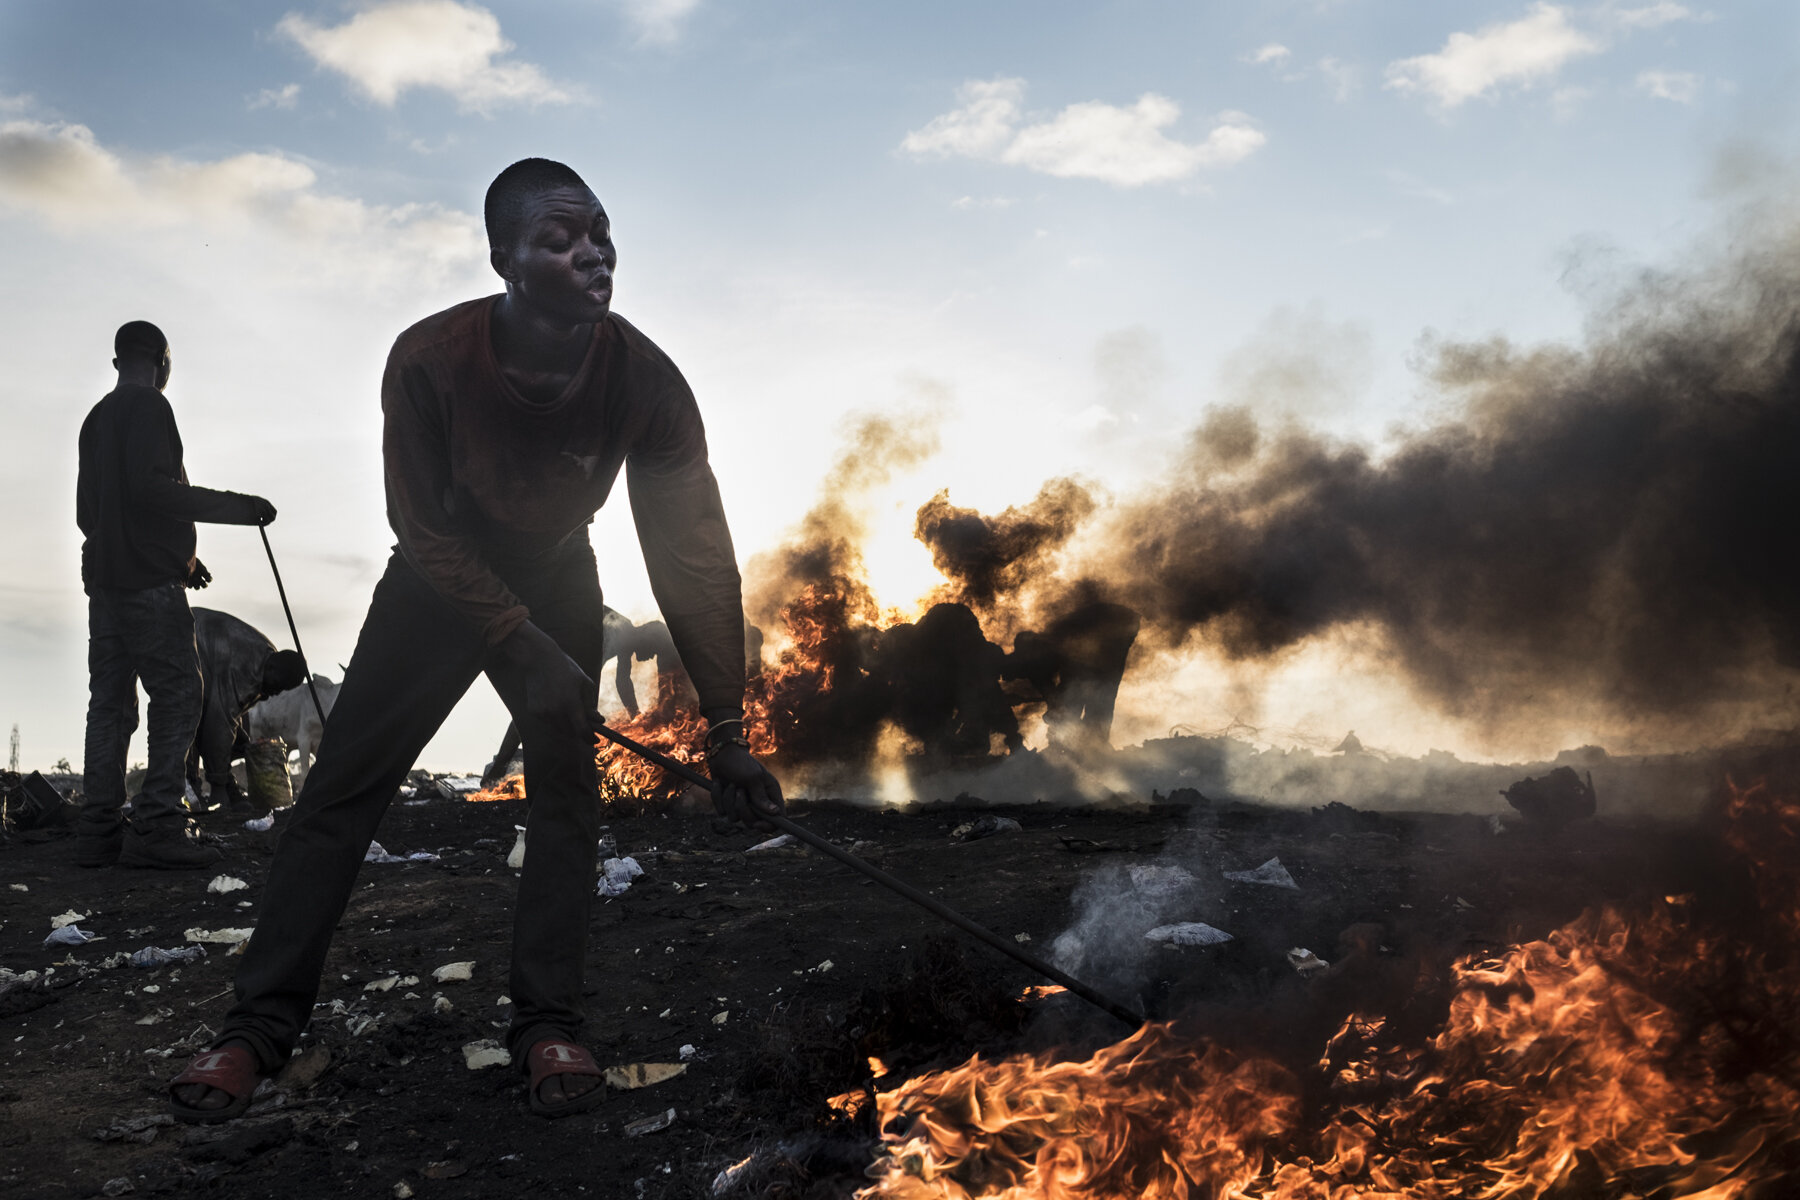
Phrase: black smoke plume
x=1607 y=530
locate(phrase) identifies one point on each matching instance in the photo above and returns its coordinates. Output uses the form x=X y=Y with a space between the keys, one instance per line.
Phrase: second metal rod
x=267 y=549
x=898 y=886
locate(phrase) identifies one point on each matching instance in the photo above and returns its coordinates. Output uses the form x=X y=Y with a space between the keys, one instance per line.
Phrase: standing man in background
x=136 y=511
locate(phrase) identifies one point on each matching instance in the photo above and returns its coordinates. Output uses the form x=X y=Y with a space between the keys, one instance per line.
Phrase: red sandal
x=550 y=1058
x=232 y=1069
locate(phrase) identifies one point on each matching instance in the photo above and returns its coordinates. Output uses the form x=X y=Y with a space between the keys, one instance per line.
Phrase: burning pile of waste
x=1642 y=1052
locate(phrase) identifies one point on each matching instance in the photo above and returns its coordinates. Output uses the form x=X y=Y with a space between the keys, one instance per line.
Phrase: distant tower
x=13 y=759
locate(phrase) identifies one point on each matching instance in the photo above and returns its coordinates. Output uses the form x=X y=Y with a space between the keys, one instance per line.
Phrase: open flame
x=1627 y=1054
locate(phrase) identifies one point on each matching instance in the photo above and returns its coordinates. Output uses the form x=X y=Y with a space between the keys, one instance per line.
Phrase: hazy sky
x=1058 y=231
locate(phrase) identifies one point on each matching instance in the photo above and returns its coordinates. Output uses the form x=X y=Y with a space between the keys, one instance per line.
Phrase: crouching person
x=506 y=422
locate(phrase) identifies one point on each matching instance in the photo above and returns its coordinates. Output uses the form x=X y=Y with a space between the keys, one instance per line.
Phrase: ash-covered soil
x=783 y=970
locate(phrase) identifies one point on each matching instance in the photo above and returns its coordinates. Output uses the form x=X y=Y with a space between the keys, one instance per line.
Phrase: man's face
x=562 y=266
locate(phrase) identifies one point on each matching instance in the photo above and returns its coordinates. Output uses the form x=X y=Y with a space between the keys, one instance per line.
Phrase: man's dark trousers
x=414 y=659
x=145 y=634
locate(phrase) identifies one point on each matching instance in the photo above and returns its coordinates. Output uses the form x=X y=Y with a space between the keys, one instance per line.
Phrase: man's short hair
x=282 y=669
x=140 y=339
x=513 y=188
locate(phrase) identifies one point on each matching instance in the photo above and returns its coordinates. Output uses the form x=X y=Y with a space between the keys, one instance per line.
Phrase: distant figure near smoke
x=945 y=677
x=1076 y=665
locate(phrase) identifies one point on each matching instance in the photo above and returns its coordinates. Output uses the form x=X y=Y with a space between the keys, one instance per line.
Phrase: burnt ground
x=813 y=967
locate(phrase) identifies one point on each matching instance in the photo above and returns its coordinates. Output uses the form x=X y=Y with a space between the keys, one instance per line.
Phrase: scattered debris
x=18 y=887
x=120 y=1186
x=1188 y=933
x=402 y=1191
x=1160 y=883
x=303 y=1070
x=445 y=1170
x=223 y=884
x=719 y=1018
x=652 y=1124
x=631 y=1076
x=1555 y=800
x=70 y=935
x=455 y=972
x=141 y=1130
x=687 y=1052
x=378 y=854
x=1270 y=874
x=775 y=843
x=68 y=918
x=516 y=860
x=616 y=875
x=1305 y=961
x=261 y=824
x=223 y=937
x=156 y=956
x=389 y=983
x=822 y=969
x=440 y=1003
x=485 y=1053
x=984 y=827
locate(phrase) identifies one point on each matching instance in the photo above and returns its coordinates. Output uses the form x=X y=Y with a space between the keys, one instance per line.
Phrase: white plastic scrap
x=455 y=972
x=1270 y=874
x=18 y=887
x=774 y=843
x=261 y=824
x=68 y=918
x=1305 y=961
x=376 y=854
x=70 y=935
x=616 y=875
x=222 y=884
x=485 y=1053
x=516 y=859
x=687 y=1051
x=224 y=937
x=1188 y=933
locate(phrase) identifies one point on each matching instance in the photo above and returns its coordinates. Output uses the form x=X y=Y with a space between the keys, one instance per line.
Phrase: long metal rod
x=897 y=886
x=267 y=549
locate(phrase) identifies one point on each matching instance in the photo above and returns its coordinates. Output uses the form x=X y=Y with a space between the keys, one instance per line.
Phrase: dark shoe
x=167 y=849
x=98 y=849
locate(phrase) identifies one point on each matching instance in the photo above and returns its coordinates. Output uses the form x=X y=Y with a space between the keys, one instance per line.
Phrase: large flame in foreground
x=1647 y=1054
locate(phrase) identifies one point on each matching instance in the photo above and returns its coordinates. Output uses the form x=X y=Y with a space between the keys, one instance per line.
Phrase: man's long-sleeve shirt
x=132 y=498
x=479 y=478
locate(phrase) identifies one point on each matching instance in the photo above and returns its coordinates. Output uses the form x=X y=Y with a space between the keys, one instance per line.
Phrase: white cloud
x=1124 y=146
x=391 y=47
x=283 y=97
x=1342 y=76
x=1274 y=52
x=968 y=202
x=1522 y=52
x=1650 y=16
x=59 y=173
x=658 y=22
x=1679 y=86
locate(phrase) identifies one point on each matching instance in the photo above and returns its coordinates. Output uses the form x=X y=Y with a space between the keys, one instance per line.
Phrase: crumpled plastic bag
x=70 y=935
x=156 y=956
x=616 y=875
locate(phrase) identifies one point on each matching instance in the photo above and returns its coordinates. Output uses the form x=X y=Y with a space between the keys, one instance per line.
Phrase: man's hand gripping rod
x=900 y=887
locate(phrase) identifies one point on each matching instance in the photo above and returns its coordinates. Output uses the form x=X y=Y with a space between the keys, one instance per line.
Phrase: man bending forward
x=507 y=420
